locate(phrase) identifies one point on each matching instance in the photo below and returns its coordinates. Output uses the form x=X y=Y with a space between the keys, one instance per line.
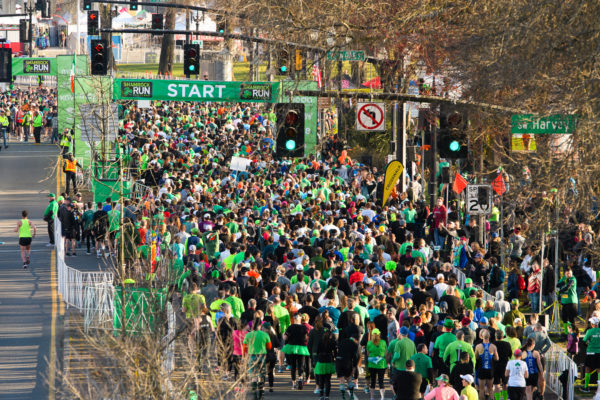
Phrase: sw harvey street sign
x=553 y=124
x=346 y=55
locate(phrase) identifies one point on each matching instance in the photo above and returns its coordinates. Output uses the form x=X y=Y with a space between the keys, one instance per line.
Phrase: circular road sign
x=370 y=116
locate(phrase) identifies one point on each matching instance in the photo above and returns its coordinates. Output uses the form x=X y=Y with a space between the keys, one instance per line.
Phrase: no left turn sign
x=370 y=117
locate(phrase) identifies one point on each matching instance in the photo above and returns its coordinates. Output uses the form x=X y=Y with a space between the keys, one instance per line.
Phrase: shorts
x=499 y=375
x=112 y=235
x=532 y=380
x=423 y=387
x=24 y=241
x=68 y=234
x=485 y=374
x=592 y=361
x=343 y=368
x=516 y=392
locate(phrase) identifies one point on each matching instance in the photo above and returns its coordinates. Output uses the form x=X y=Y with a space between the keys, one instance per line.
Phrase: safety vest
x=25 y=229
x=4 y=120
x=71 y=165
x=37 y=122
x=64 y=141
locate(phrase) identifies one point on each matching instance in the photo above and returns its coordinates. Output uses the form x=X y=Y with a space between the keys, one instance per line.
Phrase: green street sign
x=552 y=124
x=188 y=90
x=346 y=55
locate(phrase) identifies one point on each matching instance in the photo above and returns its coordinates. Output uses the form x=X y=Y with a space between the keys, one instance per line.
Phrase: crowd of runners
x=295 y=264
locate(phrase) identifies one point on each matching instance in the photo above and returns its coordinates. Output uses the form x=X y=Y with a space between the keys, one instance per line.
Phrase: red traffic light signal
x=157 y=21
x=92 y=22
x=99 y=57
x=99 y=47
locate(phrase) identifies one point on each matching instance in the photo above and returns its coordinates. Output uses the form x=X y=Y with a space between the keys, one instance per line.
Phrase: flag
x=316 y=73
x=459 y=183
x=498 y=185
x=73 y=76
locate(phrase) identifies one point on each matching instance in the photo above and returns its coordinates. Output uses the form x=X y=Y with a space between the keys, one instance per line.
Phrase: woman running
x=325 y=367
x=295 y=349
x=377 y=364
x=24 y=227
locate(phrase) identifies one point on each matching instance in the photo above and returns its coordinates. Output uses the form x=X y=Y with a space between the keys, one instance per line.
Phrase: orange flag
x=459 y=183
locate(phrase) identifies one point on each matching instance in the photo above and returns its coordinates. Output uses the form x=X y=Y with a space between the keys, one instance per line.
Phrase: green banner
x=88 y=90
x=553 y=124
x=33 y=66
x=310 y=112
x=185 y=90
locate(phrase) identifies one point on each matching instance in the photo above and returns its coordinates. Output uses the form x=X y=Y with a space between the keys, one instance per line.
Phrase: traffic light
x=452 y=137
x=45 y=8
x=99 y=55
x=5 y=64
x=221 y=23
x=133 y=6
x=39 y=5
x=23 y=31
x=191 y=59
x=87 y=5
x=157 y=21
x=290 y=130
x=92 y=22
x=283 y=62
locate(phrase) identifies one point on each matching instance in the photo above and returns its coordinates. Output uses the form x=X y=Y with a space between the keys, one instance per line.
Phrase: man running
x=484 y=353
x=592 y=357
x=24 y=227
x=256 y=343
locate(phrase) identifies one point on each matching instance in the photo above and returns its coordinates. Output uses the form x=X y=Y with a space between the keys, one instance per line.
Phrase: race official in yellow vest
x=38 y=123
x=4 y=123
x=70 y=169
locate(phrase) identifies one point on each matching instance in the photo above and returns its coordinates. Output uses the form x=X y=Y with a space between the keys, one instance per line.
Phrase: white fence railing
x=557 y=362
x=72 y=282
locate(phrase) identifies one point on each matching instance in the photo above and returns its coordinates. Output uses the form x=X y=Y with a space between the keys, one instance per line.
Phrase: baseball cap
x=299 y=267
x=448 y=323
x=51 y=195
x=465 y=321
x=594 y=320
x=468 y=280
x=515 y=302
x=518 y=352
x=376 y=332
x=404 y=331
x=483 y=320
x=443 y=377
x=468 y=378
x=440 y=276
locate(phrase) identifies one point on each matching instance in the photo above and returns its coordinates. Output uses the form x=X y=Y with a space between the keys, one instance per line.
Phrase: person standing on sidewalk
x=24 y=227
x=4 y=124
x=49 y=215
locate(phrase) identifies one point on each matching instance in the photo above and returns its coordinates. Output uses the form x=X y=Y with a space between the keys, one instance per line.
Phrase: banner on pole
x=393 y=172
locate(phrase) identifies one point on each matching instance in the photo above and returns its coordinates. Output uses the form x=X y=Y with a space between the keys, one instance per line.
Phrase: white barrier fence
x=557 y=362
x=72 y=282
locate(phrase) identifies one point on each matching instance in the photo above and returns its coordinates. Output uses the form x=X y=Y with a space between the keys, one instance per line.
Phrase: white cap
x=299 y=267
x=440 y=276
x=594 y=321
x=468 y=378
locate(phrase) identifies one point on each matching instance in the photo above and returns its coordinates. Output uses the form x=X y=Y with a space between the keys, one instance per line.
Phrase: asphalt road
x=29 y=321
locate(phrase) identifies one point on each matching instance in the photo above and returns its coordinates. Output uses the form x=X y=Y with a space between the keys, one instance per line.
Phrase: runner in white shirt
x=517 y=372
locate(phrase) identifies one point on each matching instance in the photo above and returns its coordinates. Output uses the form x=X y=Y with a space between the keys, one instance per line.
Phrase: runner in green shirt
x=592 y=357
x=256 y=343
x=442 y=341
x=454 y=350
x=423 y=366
x=403 y=350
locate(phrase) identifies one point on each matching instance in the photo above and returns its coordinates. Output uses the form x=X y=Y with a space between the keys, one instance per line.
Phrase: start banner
x=33 y=66
x=185 y=90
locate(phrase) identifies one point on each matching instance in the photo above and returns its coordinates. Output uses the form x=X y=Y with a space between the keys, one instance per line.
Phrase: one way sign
x=370 y=117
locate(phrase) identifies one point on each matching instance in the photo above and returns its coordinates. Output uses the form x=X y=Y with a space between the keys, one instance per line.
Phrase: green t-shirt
x=404 y=246
x=443 y=341
x=193 y=303
x=570 y=296
x=455 y=349
x=422 y=364
x=592 y=338
x=376 y=355
x=409 y=215
x=403 y=350
x=390 y=348
x=514 y=344
x=257 y=342
x=237 y=306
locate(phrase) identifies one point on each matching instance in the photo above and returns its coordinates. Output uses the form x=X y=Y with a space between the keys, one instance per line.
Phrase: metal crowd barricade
x=461 y=277
x=169 y=340
x=98 y=306
x=557 y=362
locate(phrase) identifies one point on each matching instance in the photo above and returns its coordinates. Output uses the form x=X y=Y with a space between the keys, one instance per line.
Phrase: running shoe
x=24 y=266
x=27 y=262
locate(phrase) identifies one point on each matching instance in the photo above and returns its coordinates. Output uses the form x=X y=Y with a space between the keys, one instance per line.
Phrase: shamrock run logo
x=36 y=66
x=135 y=89
x=255 y=91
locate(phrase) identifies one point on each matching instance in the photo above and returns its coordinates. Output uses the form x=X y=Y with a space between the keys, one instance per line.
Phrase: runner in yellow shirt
x=24 y=227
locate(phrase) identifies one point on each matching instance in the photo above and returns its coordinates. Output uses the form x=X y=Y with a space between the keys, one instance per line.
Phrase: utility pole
x=340 y=101
x=29 y=10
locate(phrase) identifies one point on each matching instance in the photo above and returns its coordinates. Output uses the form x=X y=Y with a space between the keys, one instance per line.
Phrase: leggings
x=377 y=373
x=270 y=368
x=324 y=384
x=295 y=362
x=307 y=366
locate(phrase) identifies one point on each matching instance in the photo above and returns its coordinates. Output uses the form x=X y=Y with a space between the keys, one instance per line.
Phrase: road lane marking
x=51 y=371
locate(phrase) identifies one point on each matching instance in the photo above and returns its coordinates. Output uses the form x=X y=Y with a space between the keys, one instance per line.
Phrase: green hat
x=51 y=195
x=448 y=323
x=468 y=280
x=391 y=266
x=515 y=302
x=215 y=274
x=195 y=231
x=60 y=198
x=375 y=332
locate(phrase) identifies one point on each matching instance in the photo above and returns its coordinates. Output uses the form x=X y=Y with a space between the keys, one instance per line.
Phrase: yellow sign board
x=393 y=172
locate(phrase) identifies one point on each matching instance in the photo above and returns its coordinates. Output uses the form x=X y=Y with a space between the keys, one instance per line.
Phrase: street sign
x=370 y=117
x=346 y=55
x=324 y=102
x=479 y=199
x=553 y=124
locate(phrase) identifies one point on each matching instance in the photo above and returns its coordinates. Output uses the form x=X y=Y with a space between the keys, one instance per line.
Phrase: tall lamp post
x=29 y=10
